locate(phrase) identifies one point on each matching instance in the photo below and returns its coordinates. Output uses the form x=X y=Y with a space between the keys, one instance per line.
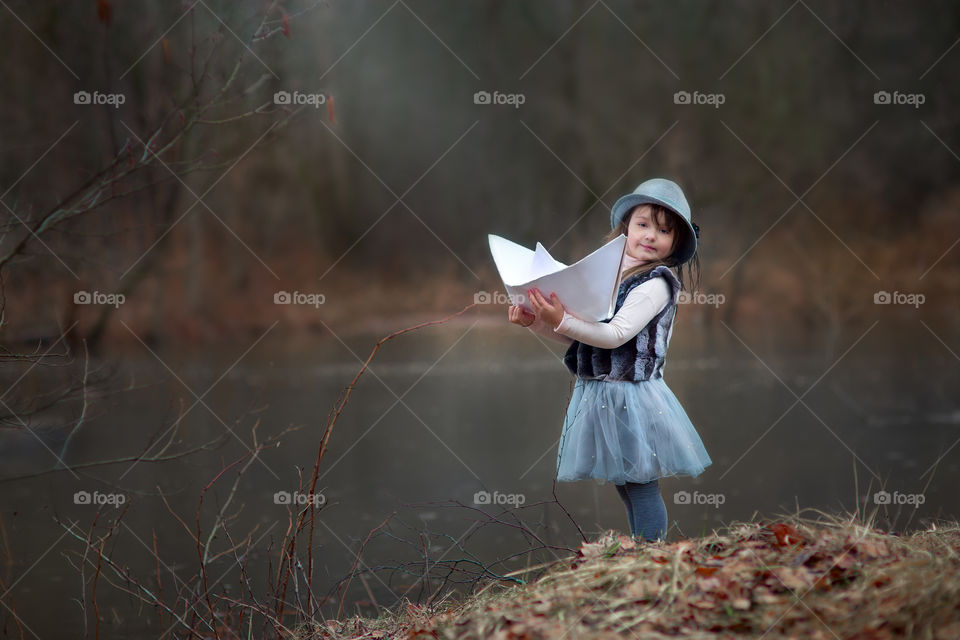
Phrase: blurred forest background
x=172 y=172
x=810 y=194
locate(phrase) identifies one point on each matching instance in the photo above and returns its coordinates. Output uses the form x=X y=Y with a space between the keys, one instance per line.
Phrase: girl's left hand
x=550 y=310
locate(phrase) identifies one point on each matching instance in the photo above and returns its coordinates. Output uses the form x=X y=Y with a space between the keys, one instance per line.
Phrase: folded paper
x=587 y=289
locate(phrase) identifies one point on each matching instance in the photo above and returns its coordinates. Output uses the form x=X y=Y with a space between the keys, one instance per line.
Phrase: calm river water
x=446 y=412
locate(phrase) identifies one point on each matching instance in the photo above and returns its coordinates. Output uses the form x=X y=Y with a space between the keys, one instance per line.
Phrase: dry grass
x=796 y=577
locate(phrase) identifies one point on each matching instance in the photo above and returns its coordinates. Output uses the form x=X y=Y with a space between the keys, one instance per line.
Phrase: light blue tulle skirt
x=621 y=431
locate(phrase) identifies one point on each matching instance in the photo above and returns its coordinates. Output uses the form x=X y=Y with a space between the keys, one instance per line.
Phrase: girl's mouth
x=646 y=247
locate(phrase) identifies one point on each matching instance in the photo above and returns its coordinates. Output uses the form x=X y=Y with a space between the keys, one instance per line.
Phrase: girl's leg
x=649 y=512
x=622 y=490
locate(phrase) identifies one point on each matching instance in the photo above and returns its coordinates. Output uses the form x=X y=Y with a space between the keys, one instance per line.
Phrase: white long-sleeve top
x=641 y=305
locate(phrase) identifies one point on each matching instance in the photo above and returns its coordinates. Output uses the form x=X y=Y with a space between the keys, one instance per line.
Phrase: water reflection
x=451 y=411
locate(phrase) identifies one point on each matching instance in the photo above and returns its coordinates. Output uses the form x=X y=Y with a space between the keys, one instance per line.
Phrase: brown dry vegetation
x=794 y=577
x=809 y=279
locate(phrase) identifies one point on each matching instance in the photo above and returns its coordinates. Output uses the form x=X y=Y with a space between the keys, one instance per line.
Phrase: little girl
x=623 y=423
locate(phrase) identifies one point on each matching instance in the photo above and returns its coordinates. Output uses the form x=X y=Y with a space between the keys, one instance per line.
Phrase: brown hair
x=669 y=220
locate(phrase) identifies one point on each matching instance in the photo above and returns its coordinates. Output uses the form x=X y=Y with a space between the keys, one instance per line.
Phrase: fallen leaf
x=794 y=578
x=765 y=596
x=709 y=584
x=881 y=581
x=785 y=533
x=626 y=542
x=845 y=561
x=872 y=549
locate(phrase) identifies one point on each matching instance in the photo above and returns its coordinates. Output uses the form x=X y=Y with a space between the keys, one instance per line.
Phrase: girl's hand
x=550 y=310
x=519 y=315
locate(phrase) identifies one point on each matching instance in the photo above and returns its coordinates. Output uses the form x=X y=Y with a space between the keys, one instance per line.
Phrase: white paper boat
x=587 y=288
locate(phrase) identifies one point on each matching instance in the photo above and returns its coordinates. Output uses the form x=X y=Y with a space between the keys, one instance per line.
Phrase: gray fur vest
x=639 y=358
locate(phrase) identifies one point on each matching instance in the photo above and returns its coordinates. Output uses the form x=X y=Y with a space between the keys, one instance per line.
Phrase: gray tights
x=646 y=511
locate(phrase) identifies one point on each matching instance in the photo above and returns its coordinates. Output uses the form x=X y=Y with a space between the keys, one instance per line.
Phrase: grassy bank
x=794 y=577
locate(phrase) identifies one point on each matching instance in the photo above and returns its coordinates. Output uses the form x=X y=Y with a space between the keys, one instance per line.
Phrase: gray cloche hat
x=665 y=193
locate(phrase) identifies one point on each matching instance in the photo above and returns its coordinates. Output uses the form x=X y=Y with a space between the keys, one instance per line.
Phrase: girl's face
x=649 y=239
